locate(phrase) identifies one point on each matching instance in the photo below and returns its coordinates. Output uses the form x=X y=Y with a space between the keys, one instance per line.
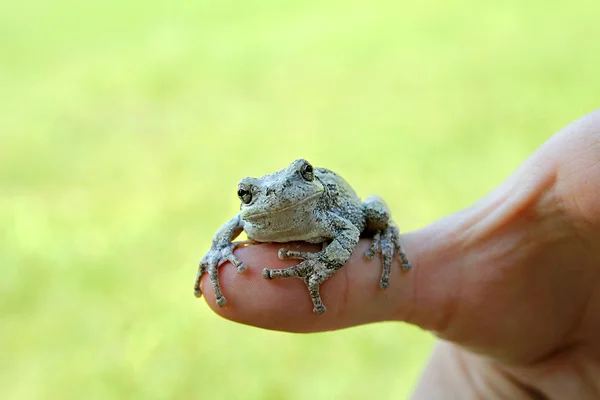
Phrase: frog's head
x=283 y=194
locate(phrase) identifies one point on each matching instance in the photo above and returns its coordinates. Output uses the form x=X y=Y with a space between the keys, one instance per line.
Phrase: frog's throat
x=246 y=215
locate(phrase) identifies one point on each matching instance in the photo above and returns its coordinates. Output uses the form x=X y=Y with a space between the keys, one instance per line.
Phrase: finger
x=352 y=295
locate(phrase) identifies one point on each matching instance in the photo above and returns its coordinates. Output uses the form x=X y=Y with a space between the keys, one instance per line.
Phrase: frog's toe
x=406 y=266
x=266 y=273
x=383 y=284
x=320 y=310
x=241 y=268
x=369 y=255
x=235 y=261
x=282 y=273
x=201 y=271
x=221 y=301
x=375 y=246
x=284 y=254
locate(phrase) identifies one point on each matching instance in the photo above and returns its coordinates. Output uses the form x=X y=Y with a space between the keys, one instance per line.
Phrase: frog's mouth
x=257 y=215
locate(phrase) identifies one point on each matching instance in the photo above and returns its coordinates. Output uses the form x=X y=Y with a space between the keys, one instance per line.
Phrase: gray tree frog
x=300 y=203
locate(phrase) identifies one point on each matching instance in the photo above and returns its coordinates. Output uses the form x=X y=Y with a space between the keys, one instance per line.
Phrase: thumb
x=456 y=262
x=445 y=256
x=352 y=295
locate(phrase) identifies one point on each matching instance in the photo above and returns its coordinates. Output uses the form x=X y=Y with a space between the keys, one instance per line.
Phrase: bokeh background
x=125 y=127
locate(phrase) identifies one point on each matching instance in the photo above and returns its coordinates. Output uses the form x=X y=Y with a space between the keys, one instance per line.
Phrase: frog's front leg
x=220 y=251
x=318 y=267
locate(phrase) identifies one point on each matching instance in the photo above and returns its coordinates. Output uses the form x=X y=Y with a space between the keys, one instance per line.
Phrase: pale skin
x=511 y=285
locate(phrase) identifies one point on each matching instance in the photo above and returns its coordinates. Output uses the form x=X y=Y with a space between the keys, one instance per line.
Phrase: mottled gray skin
x=301 y=204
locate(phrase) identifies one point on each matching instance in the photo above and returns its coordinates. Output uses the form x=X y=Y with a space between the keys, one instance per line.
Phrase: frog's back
x=341 y=198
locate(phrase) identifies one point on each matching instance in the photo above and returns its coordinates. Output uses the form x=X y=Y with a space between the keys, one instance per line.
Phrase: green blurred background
x=125 y=127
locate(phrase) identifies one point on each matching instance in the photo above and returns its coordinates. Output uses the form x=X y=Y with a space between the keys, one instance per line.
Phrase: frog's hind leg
x=383 y=243
x=386 y=237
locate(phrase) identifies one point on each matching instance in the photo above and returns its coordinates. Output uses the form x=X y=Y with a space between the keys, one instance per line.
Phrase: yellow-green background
x=125 y=127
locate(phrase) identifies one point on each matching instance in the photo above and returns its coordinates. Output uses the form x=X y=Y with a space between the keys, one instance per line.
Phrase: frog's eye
x=307 y=172
x=244 y=194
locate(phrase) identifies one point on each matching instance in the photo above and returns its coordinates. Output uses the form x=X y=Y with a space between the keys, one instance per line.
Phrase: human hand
x=511 y=285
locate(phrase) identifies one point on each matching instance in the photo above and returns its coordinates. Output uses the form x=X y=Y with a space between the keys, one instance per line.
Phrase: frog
x=307 y=204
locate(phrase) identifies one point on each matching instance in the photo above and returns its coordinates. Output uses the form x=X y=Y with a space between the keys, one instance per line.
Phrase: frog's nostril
x=270 y=191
